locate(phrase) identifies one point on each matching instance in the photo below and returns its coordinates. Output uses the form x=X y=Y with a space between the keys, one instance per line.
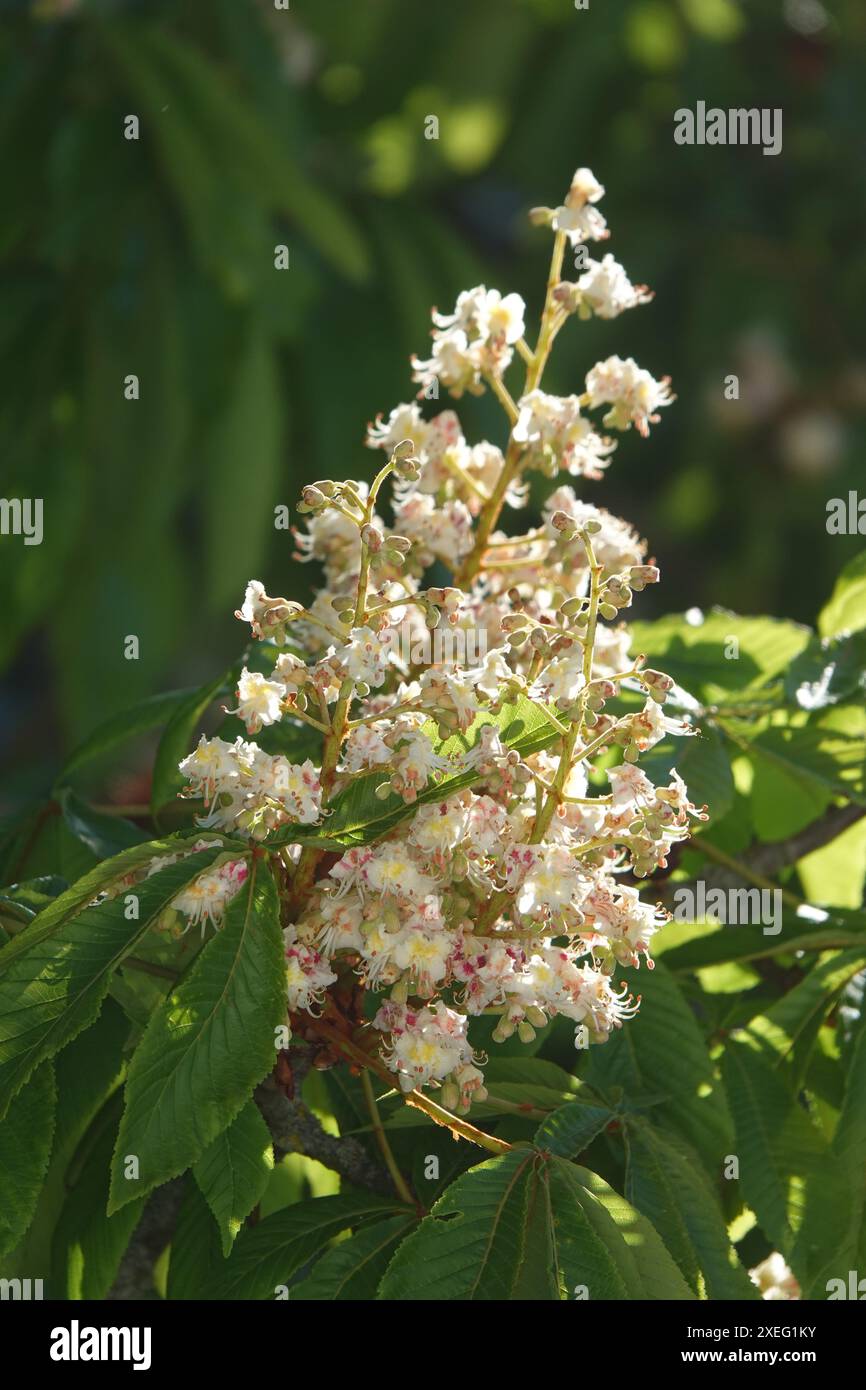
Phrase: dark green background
x=260 y=127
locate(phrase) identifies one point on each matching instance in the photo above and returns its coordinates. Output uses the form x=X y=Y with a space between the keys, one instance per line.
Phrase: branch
x=295 y=1129
x=134 y=1279
x=762 y=861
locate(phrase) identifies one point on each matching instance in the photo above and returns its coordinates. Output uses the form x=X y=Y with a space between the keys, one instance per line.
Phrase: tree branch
x=295 y=1129
x=134 y=1279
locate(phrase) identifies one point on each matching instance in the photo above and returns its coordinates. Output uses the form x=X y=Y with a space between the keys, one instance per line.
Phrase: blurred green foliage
x=261 y=127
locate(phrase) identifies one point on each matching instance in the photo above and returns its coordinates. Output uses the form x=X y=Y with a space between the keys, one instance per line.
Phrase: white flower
x=365 y=657
x=414 y=761
x=296 y=786
x=607 y=290
x=554 y=424
x=650 y=726
x=259 y=700
x=308 y=973
x=267 y=616
x=391 y=872
x=439 y=827
x=633 y=395
x=206 y=897
x=577 y=217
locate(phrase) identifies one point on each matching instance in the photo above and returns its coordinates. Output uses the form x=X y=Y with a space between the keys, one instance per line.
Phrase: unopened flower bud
x=564 y=524
x=312 y=500
x=372 y=537
x=541 y=217
x=641 y=575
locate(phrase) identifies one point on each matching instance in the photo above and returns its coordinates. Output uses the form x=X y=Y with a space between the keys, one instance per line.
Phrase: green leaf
x=661 y=1051
x=524 y=1226
x=604 y=1245
x=788 y=1175
x=710 y=944
x=352 y=1268
x=196 y=1258
x=238 y=133
x=359 y=817
x=233 y=1171
x=208 y=1045
x=786 y=1032
x=846 y=609
x=55 y=974
x=666 y=1182
x=22 y=901
x=242 y=455
x=130 y=724
x=176 y=741
x=704 y=765
x=849 y=1149
x=473 y=1245
x=723 y=654
x=105 y=836
x=572 y=1128
x=25 y=1148
x=801 y=766
x=830 y=669
x=266 y=1256
x=88 y=1245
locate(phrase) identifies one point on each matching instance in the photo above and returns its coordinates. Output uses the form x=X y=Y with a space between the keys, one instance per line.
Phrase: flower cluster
x=501 y=823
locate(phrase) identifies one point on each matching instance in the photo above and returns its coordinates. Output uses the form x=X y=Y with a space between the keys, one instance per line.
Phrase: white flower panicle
x=460 y=829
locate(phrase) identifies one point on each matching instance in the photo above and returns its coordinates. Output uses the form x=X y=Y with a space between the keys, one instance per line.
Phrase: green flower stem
x=397 y=1178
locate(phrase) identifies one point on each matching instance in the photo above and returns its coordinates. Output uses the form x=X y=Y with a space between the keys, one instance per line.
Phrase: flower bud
x=641 y=575
x=404 y=450
x=513 y=622
x=372 y=538
x=564 y=524
x=608 y=611
x=541 y=217
x=312 y=500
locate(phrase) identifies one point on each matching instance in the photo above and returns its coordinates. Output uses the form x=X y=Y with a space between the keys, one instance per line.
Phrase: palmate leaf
x=114 y=733
x=88 y=1246
x=233 y=1171
x=25 y=1147
x=711 y=944
x=798 y=1189
x=666 y=1182
x=360 y=817
x=849 y=1150
x=572 y=1128
x=528 y=1226
x=104 y=835
x=353 y=1268
x=55 y=973
x=267 y=1256
x=696 y=654
x=662 y=1052
x=830 y=669
x=846 y=608
x=207 y=1046
x=786 y=1032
